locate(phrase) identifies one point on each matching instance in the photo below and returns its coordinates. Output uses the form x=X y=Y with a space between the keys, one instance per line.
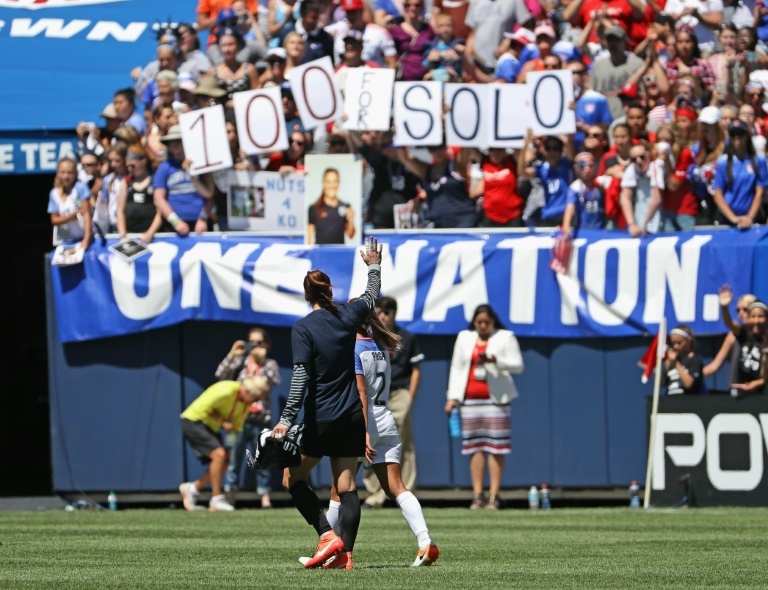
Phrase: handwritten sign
x=368 y=99
x=204 y=136
x=260 y=121
x=418 y=110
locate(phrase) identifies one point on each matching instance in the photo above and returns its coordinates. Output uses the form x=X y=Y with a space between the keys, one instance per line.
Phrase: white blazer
x=503 y=346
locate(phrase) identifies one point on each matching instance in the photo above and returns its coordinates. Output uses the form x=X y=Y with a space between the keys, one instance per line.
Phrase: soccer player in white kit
x=372 y=368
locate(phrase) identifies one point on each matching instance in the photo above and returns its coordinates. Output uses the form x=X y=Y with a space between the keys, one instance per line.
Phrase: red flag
x=648 y=362
x=561 y=254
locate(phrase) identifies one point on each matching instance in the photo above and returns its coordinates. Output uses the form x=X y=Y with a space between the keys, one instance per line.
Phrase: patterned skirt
x=485 y=427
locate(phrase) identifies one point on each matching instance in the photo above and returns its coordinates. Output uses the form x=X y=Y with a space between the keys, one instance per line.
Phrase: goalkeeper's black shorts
x=344 y=437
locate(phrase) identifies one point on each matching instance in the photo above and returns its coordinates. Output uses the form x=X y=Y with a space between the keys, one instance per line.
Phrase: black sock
x=349 y=518
x=308 y=504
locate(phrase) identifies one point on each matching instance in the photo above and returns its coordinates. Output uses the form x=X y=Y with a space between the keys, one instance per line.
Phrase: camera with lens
x=248 y=346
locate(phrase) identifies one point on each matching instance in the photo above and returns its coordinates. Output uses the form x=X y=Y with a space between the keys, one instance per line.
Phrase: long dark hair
x=730 y=152
x=318 y=289
x=320 y=203
x=485 y=308
x=373 y=327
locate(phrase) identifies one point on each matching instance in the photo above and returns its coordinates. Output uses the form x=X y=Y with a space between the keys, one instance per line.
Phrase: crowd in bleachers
x=671 y=131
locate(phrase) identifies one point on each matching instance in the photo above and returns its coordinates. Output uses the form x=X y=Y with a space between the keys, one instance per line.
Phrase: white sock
x=333 y=513
x=414 y=517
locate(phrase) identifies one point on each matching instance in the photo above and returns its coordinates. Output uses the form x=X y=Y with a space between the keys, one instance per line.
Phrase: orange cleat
x=427 y=556
x=340 y=561
x=329 y=545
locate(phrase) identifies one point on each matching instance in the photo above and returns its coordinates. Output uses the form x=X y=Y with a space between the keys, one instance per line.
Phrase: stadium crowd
x=671 y=130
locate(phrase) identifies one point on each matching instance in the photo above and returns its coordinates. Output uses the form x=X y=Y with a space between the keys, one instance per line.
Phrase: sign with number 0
x=316 y=92
x=260 y=121
x=204 y=135
x=550 y=94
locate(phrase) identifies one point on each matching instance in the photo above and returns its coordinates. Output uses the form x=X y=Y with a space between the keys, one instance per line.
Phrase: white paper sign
x=418 y=113
x=204 y=135
x=510 y=115
x=368 y=98
x=260 y=121
x=264 y=201
x=316 y=92
x=550 y=93
x=468 y=121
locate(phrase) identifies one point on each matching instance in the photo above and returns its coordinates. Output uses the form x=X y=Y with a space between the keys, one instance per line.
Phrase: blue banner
x=64 y=59
x=616 y=285
x=35 y=153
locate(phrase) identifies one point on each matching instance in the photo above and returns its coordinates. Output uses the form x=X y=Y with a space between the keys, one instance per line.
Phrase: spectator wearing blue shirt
x=585 y=207
x=319 y=42
x=183 y=200
x=511 y=63
x=554 y=170
x=443 y=55
x=124 y=101
x=740 y=179
x=591 y=107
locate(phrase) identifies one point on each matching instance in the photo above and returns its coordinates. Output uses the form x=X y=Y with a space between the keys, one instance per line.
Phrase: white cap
x=710 y=115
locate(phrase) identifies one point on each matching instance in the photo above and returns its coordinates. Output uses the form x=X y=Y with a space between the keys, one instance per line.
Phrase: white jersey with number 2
x=372 y=363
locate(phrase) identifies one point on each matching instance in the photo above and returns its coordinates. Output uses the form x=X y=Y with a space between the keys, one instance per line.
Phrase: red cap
x=352 y=4
x=686 y=111
x=628 y=90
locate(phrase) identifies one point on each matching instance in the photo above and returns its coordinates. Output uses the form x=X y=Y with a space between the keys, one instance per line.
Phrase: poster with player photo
x=333 y=199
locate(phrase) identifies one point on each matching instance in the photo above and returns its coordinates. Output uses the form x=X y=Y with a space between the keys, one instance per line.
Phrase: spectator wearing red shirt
x=502 y=204
x=292 y=159
x=620 y=12
x=680 y=205
x=688 y=61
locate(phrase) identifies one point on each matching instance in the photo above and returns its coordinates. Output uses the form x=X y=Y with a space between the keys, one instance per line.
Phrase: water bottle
x=545 y=504
x=634 y=495
x=454 y=423
x=533 y=498
x=112 y=501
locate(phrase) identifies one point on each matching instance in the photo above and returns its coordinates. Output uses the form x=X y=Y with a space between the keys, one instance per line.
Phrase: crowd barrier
x=580 y=420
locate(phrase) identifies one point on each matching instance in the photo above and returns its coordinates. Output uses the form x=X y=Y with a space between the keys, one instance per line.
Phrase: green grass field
x=514 y=548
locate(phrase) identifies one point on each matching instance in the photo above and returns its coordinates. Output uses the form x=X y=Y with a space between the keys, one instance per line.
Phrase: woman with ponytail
x=740 y=179
x=374 y=345
x=324 y=383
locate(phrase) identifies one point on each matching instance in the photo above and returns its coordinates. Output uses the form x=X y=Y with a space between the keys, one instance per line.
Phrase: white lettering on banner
x=627 y=288
x=48 y=156
x=524 y=274
x=260 y=121
x=418 y=111
x=6 y=158
x=128 y=34
x=225 y=273
x=692 y=455
x=682 y=456
x=570 y=288
x=665 y=272
x=58 y=28
x=401 y=270
x=37 y=4
x=160 y=292
x=30 y=151
x=464 y=258
x=733 y=479
x=276 y=271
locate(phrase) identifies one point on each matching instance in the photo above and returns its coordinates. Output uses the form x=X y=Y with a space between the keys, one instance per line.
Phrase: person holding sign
x=184 y=201
x=585 y=207
x=554 y=170
x=330 y=219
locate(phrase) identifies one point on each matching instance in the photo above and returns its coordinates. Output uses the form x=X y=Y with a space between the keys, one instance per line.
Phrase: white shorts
x=387 y=451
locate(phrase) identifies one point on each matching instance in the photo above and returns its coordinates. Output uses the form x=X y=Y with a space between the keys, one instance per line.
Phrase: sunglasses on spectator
x=551 y=66
x=552 y=148
x=582 y=71
x=596 y=135
x=740 y=309
x=90 y=163
x=297 y=142
x=639 y=158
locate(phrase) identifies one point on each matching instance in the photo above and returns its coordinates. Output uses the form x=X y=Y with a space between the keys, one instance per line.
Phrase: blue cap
x=225 y=14
x=739 y=127
x=285 y=89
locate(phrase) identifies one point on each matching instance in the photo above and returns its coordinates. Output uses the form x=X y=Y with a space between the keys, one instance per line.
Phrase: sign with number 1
x=204 y=135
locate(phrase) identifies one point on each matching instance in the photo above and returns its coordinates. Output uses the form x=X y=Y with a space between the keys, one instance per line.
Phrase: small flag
x=561 y=254
x=648 y=362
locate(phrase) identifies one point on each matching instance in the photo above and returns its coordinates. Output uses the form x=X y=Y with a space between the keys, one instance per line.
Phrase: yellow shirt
x=217 y=404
